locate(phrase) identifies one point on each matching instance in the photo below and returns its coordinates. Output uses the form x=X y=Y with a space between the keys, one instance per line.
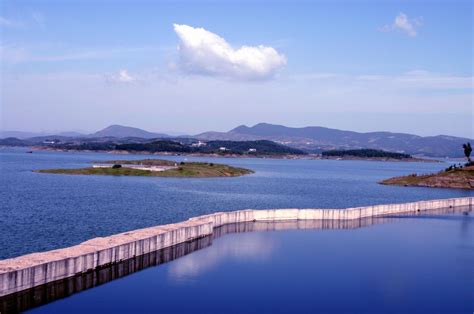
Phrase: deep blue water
x=411 y=265
x=46 y=211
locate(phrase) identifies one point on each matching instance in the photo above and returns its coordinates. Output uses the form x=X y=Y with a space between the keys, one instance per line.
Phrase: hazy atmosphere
x=185 y=67
x=236 y=156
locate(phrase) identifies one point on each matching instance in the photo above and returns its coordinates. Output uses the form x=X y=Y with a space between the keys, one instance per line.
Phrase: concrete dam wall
x=24 y=300
x=31 y=270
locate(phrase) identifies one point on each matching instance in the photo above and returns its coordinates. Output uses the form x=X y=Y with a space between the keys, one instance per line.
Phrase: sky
x=195 y=66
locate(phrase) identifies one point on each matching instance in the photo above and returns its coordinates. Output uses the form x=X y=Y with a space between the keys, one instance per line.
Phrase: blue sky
x=402 y=66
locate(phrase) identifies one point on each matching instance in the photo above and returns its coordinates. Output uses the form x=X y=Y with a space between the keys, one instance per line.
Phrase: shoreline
x=260 y=156
x=35 y=269
x=383 y=159
x=213 y=155
x=452 y=179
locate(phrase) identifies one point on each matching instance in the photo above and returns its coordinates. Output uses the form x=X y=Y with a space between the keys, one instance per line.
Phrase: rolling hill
x=316 y=139
x=125 y=131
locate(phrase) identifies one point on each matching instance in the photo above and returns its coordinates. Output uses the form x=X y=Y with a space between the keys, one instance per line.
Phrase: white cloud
x=8 y=23
x=35 y=18
x=405 y=24
x=412 y=80
x=38 y=18
x=203 y=52
x=14 y=53
x=122 y=77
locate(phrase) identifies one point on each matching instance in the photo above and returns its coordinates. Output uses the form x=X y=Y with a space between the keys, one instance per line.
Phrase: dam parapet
x=36 y=269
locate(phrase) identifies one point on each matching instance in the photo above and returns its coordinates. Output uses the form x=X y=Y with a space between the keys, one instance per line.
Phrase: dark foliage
x=467 y=151
x=211 y=147
x=243 y=147
x=156 y=146
x=365 y=153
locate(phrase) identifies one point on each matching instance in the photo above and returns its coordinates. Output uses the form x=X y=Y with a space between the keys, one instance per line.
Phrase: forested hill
x=261 y=147
x=365 y=153
x=317 y=139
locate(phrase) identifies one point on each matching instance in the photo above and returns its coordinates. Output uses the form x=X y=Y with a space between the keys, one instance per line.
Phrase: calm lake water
x=422 y=264
x=47 y=211
x=411 y=265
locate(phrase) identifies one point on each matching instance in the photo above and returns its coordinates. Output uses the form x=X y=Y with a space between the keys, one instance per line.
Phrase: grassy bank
x=456 y=179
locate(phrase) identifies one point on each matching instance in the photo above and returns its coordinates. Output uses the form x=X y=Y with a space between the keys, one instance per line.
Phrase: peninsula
x=155 y=168
x=452 y=177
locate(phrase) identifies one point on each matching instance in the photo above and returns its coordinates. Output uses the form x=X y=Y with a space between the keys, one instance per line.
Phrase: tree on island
x=467 y=151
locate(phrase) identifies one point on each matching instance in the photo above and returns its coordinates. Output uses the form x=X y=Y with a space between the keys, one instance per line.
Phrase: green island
x=155 y=168
x=456 y=178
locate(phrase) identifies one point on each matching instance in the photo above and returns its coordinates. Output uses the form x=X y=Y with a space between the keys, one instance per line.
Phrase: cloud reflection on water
x=247 y=247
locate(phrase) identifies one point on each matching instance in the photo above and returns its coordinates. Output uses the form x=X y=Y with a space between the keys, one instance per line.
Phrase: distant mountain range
x=309 y=139
x=117 y=131
x=24 y=135
x=316 y=139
